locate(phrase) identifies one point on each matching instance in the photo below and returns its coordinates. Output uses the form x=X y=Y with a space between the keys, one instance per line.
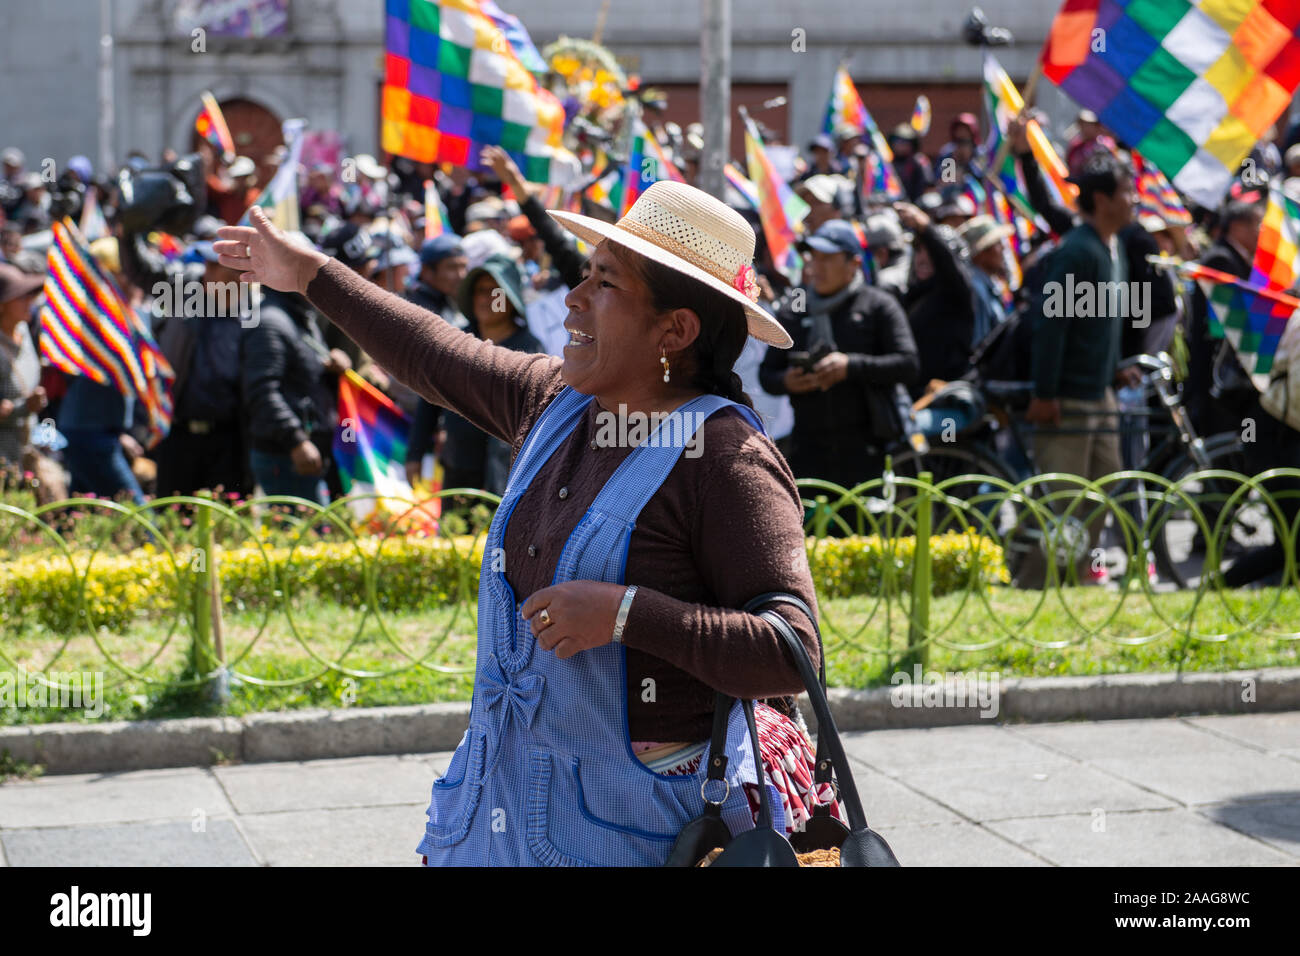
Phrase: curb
x=424 y=728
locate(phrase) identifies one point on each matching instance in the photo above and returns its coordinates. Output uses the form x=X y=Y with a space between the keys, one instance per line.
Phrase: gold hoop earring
x=663 y=360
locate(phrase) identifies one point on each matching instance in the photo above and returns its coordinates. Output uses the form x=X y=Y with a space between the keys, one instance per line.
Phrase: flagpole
x=715 y=94
x=1026 y=98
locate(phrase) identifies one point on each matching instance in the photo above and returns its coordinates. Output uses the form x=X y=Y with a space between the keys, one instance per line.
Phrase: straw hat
x=981 y=232
x=689 y=231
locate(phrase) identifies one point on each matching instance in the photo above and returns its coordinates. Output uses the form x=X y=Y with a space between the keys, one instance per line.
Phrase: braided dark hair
x=723 y=326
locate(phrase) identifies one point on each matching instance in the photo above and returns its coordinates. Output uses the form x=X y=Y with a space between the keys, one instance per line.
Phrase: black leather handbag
x=859 y=845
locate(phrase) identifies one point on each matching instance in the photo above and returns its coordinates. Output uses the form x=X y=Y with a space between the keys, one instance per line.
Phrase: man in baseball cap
x=833 y=236
x=851 y=344
x=443 y=265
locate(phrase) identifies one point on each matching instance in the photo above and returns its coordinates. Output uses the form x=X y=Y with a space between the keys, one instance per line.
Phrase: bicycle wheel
x=989 y=510
x=1179 y=542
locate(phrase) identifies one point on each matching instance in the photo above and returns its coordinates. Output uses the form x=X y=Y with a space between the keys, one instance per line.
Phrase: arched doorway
x=256 y=131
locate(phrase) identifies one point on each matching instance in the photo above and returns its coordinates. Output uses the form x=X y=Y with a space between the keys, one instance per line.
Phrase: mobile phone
x=803 y=360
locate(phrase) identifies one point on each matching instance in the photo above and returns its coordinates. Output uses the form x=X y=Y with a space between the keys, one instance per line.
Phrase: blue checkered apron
x=545 y=774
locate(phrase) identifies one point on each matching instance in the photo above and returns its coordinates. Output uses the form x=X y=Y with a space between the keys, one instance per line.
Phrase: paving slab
x=896 y=752
x=313 y=784
x=373 y=836
x=1176 y=837
x=1217 y=778
x=439 y=761
x=1279 y=733
x=112 y=798
x=1027 y=790
x=887 y=802
x=955 y=844
x=1277 y=824
x=1127 y=739
x=129 y=844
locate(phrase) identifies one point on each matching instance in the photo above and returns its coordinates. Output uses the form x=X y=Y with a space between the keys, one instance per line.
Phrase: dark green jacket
x=1076 y=333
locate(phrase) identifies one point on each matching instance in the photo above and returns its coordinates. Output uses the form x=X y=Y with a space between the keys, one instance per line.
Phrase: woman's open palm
x=262 y=253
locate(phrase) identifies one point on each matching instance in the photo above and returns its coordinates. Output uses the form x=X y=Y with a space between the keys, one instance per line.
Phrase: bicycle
x=1174 y=526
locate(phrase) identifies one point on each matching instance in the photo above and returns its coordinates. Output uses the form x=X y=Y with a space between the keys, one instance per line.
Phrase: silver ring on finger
x=544 y=616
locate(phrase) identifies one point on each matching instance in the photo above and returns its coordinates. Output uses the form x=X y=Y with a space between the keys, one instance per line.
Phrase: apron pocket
x=563 y=831
x=456 y=795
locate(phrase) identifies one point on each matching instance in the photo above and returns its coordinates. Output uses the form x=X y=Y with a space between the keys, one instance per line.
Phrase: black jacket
x=1059 y=219
x=871 y=328
x=1162 y=299
x=287 y=393
x=565 y=257
x=436 y=302
x=1209 y=413
x=428 y=416
x=472 y=454
x=941 y=311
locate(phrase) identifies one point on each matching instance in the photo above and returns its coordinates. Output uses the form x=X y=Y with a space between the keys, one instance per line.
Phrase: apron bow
x=523 y=694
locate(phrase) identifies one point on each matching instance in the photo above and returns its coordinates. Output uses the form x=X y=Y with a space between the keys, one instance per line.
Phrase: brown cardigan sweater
x=724 y=527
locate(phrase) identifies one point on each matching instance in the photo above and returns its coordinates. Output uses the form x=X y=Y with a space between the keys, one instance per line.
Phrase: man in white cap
x=11 y=171
x=852 y=343
x=984 y=236
x=373 y=180
x=827 y=196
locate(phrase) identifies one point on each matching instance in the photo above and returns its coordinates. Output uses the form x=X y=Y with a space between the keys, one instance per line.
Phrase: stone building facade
x=326 y=64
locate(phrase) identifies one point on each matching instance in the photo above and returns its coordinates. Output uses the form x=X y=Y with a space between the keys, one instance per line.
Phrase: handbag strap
x=826 y=729
x=823 y=770
x=718 y=744
x=718 y=752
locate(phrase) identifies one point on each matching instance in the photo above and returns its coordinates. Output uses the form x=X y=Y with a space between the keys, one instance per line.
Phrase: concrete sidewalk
x=1170 y=792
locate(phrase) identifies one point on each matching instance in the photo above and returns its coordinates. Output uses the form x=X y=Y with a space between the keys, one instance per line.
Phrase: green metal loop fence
x=153 y=587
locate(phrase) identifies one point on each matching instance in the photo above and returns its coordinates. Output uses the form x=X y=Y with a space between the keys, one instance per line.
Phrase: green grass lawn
x=285 y=662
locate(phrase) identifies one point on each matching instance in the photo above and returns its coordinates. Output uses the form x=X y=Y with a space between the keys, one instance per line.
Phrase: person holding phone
x=852 y=344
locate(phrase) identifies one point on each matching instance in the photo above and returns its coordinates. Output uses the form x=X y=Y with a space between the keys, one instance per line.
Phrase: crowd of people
x=897 y=305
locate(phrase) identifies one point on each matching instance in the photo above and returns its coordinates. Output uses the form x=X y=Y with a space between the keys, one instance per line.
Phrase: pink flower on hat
x=746 y=281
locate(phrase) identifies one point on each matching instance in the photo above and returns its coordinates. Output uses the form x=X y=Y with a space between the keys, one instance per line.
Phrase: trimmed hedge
x=409 y=574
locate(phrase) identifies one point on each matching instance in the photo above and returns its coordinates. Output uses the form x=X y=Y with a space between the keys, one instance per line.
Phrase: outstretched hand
x=262 y=253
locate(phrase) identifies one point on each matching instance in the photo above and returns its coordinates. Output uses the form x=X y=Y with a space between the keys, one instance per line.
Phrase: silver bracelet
x=620 y=621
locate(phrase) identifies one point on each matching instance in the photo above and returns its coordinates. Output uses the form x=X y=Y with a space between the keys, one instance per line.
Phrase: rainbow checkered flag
x=370 y=448
x=211 y=125
x=454 y=83
x=1253 y=313
x=279 y=200
x=845 y=108
x=921 y=115
x=1277 y=254
x=1250 y=316
x=435 y=214
x=1002 y=104
x=647 y=163
x=779 y=209
x=1156 y=196
x=742 y=184
x=1192 y=86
